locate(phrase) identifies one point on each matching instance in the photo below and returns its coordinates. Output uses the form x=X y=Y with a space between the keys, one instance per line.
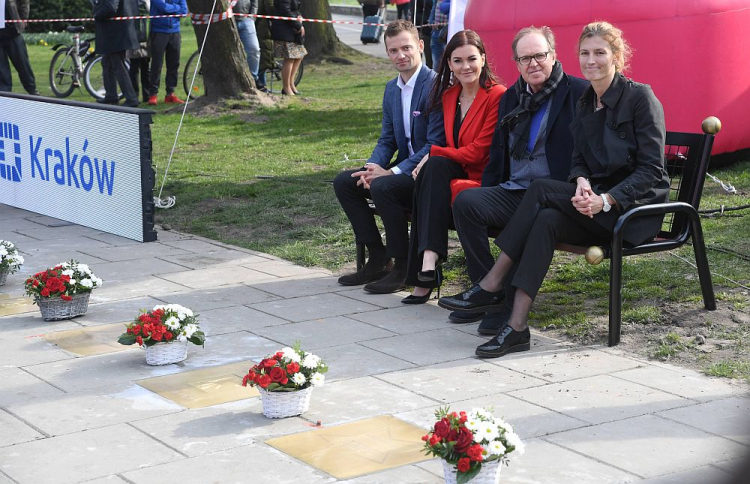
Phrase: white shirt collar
x=412 y=80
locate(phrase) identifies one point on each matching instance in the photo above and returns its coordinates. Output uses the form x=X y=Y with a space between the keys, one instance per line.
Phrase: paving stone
x=222 y=258
x=380 y=300
x=20 y=240
x=46 y=221
x=207 y=430
x=429 y=347
x=460 y=380
x=83 y=455
x=133 y=252
x=363 y=397
x=75 y=412
x=114 y=240
x=229 y=348
x=218 y=297
x=283 y=268
x=701 y=475
x=116 y=311
x=90 y=341
x=217 y=276
x=402 y=475
x=237 y=318
x=354 y=361
x=313 y=307
x=205 y=247
x=407 y=319
x=567 y=365
x=58 y=233
x=300 y=287
x=649 y=446
x=729 y=417
x=127 y=271
x=21 y=349
x=601 y=398
x=113 y=479
x=37 y=260
x=20 y=386
x=136 y=288
x=15 y=431
x=232 y=466
x=320 y=333
x=683 y=382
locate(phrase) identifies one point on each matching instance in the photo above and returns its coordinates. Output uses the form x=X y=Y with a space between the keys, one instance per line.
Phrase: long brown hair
x=487 y=78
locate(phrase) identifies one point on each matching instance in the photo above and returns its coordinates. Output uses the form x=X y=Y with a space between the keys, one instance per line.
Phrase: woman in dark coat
x=289 y=37
x=618 y=164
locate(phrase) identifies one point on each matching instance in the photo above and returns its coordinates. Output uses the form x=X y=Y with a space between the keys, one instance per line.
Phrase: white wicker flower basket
x=489 y=474
x=4 y=275
x=166 y=353
x=55 y=309
x=285 y=404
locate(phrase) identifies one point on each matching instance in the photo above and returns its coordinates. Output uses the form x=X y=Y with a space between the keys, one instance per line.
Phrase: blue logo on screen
x=10 y=152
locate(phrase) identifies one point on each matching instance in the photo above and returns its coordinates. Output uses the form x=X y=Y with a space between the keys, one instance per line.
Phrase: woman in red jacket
x=469 y=94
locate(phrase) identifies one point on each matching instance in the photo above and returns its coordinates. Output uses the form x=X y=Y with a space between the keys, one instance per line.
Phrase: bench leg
x=701 y=261
x=360 y=256
x=615 y=294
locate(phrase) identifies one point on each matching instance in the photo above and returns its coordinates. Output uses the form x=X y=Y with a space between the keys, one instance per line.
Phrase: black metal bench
x=687 y=158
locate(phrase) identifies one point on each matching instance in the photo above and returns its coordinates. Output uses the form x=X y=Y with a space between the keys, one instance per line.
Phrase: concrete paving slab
x=39 y=260
x=567 y=365
x=13 y=305
x=307 y=308
x=301 y=287
x=320 y=333
x=76 y=412
x=683 y=382
x=354 y=361
x=20 y=386
x=19 y=240
x=136 y=288
x=15 y=431
x=380 y=300
x=649 y=446
x=221 y=257
x=23 y=349
x=283 y=268
x=242 y=464
x=601 y=398
x=218 y=297
x=96 y=340
x=363 y=397
x=113 y=479
x=212 y=429
x=58 y=233
x=460 y=380
x=133 y=252
x=407 y=319
x=116 y=311
x=217 y=276
x=402 y=475
x=223 y=349
x=236 y=318
x=209 y=248
x=85 y=455
x=428 y=348
x=729 y=418
x=48 y=221
x=113 y=240
x=127 y=271
x=700 y=475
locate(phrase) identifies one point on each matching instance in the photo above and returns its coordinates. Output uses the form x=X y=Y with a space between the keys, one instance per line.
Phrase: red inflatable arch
x=693 y=53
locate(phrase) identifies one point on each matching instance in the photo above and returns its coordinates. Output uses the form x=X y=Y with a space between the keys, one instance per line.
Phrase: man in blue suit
x=409 y=129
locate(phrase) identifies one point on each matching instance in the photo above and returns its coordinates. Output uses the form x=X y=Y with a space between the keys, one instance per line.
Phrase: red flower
x=434 y=440
x=139 y=340
x=475 y=453
x=464 y=440
x=278 y=375
x=267 y=363
x=66 y=298
x=425 y=438
x=442 y=428
x=156 y=336
x=45 y=292
x=36 y=283
x=279 y=355
x=65 y=278
x=464 y=464
x=245 y=379
x=292 y=368
x=264 y=381
x=168 y=336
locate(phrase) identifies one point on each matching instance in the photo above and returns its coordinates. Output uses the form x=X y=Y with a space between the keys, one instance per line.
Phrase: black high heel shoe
x=431 y=276
x=437 y=281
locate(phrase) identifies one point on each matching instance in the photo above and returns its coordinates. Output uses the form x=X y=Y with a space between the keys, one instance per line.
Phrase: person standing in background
x=371 y=7
x=289 y=40
x=113 y=39
x=140 y=57
x=248 y=34
x=263 y=31
x=403 y=7
x=440 y=33
x=165 y=41
x=422 y=21
x=13 y=48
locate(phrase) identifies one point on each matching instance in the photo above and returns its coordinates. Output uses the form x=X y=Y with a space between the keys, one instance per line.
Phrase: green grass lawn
x=261 y=179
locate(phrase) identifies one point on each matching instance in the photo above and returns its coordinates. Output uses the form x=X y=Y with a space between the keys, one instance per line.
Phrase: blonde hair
x=613 y=36
x=544 y=31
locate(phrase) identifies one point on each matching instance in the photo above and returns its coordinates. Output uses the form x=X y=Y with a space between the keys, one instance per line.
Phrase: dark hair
x=444 y=76
x=611 y=35
x=544 y=31
x=398 y=26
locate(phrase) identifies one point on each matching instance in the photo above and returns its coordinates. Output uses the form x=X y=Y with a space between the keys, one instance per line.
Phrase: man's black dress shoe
x=493 y=323
x=508 y=341
x=394 y=281
x=459 y=317
x=372 y=271
x=473 y=300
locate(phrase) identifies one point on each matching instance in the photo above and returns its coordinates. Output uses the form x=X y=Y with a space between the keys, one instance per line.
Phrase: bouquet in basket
x=163 y=324
x=63 y=281
x=10 y=259
x=288 y=370
x=468 y=440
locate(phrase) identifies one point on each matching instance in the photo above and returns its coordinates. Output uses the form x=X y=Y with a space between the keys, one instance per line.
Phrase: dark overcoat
x=286 y=30
x=115 y=35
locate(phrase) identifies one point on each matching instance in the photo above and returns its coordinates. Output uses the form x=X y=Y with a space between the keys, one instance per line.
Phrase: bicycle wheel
x=93 y=78
x=62 y=73
x=273 y=76
x=199 y=88
x=298 y=77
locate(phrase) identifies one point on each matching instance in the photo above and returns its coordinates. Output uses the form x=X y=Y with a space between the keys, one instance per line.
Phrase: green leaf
x=126 y=339
x=464 y=477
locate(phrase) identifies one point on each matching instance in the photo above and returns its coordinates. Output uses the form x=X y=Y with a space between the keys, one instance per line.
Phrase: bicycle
x=199 y=88
x=72 y=64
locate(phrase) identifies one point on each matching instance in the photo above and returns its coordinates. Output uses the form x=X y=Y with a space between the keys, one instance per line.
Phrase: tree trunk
x=320 y=38
x=223 y=63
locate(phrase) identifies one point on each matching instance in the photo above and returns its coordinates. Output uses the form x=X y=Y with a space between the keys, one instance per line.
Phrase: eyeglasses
x=538 y=57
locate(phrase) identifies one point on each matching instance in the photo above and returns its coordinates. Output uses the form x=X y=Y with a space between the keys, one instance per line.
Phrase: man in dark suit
x=13 y=49
x=531 y=141
x=113 y=39
x=409 y=128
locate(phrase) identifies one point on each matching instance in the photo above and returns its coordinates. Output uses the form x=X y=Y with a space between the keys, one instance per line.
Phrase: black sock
x=399 y=264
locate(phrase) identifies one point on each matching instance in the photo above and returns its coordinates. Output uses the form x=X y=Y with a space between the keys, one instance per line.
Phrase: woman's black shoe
x=435 y=282
x=412 y=299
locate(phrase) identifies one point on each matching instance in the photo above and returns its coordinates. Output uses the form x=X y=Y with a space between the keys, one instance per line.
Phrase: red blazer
x=476 y=131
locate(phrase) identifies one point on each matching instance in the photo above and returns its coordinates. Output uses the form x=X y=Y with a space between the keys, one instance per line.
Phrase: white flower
x=473 y=424
x=488 y=431
x=311 y=361
x=291 y=354
x=481 y=413
x=3 y=250
x=172 y=323
x=513 y=439
x=299 y=379
x=72 y=282
x=190 y=329
x=503 y=424
x=496 y=448
x=84 y=268
x=86 y=283
x=317 y=379
x=64 y=265
x=68 y=272
x=181 y=337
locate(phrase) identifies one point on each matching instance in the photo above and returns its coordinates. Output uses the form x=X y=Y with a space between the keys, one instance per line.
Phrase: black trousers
x=164 y=45
x=404 y=11
x=140 y=65
x=547 y=216
x=14 y=50
x=114 y=72
x=392 y=196
x=431 y=212
x=369 y=10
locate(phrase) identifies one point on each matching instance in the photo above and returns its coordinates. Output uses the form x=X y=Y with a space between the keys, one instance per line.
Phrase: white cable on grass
x=712 y=272
x=169 y=203
x=726 y=186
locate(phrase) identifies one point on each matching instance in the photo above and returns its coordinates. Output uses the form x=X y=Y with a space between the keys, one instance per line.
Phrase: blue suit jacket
x=426 y=130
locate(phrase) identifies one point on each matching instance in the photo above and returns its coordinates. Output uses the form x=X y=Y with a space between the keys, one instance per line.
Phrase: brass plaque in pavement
x=16 y=305
x=93 y=340
x=357 y=448
x=204 y=387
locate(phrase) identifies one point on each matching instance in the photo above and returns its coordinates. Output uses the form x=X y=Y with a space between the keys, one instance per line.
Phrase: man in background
x=13 y=48
x=113 y=39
